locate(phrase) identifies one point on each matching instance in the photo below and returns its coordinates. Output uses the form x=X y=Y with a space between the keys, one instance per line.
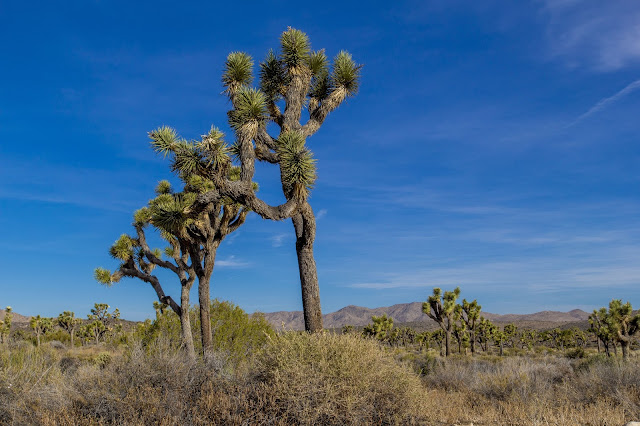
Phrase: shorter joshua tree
x=623 y=324
x=40 y=326
x=484 y=332
x=5 y=325
x=95 y=329
x=469 y=314
x=441 y=309
x=380 y=328
x=68 y=322
x=103 y=321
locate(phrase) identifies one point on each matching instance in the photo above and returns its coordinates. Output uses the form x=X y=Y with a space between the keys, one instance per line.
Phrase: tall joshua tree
x=442 y=309
x=292 y=79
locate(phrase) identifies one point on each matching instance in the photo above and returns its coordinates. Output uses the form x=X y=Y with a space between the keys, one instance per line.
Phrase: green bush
x=236 y=334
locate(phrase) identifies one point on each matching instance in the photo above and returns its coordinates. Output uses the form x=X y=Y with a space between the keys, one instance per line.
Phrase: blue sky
x=492 y=145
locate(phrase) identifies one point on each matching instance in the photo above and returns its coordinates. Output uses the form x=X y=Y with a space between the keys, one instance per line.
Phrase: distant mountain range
x=404 y=313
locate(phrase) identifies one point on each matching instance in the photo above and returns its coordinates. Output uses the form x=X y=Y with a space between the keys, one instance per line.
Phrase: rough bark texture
x=305 y=227
x=185 y=324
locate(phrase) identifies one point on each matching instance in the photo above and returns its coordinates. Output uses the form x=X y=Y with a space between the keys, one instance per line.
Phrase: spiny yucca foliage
x=441 y=309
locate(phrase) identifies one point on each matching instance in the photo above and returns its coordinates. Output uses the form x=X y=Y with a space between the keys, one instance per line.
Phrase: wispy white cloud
x=231 y=262
x=604 y=103
x=604 y=35
x=536 y=275
x=278 y=240
x=321 y=213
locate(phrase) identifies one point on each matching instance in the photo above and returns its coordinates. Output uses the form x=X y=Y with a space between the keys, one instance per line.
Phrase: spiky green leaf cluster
x=168 y=211
x=296 y=162
x=213 y=148
x=250 y=108
x=295 y=47
x=237 y=71
x=317 y=63
x=163 y=139
x=321 y=82
x=188 y=160
x=103 y=276
x=198 y=184
x=346 y=73
x=169 y=251
x=142 y=216
x=163 y=187
x=273 y=77
x=123 y=248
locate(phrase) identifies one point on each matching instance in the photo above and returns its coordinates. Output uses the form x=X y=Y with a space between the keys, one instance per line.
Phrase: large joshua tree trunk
x=204 y=295
x=305 y=227
x=185 y=323
x=447 y=340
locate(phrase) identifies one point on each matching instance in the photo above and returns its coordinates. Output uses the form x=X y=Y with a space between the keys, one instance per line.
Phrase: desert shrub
x=337 y=379
x=235 y=333
x=500 y=379
x=575 y=353
x=102 y=359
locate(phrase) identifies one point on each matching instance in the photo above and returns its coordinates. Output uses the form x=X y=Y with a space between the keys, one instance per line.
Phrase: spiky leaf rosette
x=346 y=73
x=317 y=62
x=169 y=251
x=142 y=217
x=297 y=163
x=169 y=212
x=163 y=187
x=295 y=49
x=213 y=149
x=250 y=110
x=188 y=160
x=321 y=82
x=103 y=276
x=123 y=248
x=237 y=71
x=198 y=184
x=273 y=77
x=163 y=139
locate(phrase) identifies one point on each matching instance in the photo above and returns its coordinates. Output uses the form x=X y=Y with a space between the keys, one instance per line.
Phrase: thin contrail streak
x=603 y=103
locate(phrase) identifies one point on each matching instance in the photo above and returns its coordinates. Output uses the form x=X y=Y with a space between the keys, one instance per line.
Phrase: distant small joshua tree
x=380 y=328
x=441 y=309
x=5 y=325
x=40 y=326
x=68 y=322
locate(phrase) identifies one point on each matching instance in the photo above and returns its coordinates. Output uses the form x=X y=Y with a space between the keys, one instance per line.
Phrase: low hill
x=411 y=313
x=16 y=318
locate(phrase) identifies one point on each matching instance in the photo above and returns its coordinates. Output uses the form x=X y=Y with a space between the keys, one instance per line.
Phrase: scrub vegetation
x=139 y=373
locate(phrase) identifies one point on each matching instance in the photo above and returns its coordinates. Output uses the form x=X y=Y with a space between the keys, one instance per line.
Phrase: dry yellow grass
x=302 y=379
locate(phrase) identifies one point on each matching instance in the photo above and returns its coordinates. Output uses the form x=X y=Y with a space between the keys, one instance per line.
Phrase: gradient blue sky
x=493 y=145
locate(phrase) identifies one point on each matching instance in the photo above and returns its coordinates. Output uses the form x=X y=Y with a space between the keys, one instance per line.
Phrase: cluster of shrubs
x=257 y=376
